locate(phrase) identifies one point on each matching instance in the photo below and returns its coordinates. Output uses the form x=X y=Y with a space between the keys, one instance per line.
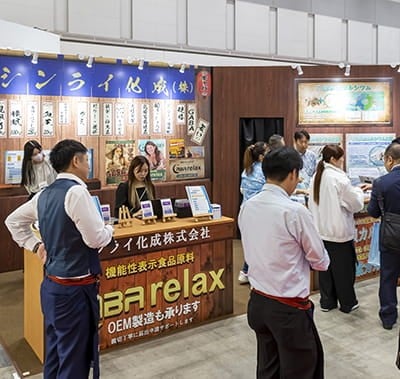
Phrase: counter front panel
x=163 y=277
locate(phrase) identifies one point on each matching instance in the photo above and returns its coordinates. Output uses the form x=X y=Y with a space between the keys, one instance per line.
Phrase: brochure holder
x=147 y=212
x=199 y=203
x=167 y=210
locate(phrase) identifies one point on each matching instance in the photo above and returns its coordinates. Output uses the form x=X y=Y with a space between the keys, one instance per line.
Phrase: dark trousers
x=288 y=345
x=71 y=316
x=337 y=283
x=390 y=271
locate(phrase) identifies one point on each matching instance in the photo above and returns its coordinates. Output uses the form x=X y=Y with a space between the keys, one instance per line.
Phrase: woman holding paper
x=137 y=188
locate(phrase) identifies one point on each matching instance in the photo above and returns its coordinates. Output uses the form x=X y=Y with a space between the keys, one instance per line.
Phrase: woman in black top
x=137 y=188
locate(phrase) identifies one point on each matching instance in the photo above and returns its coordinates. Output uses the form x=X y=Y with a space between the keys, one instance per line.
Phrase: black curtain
x=252 y=130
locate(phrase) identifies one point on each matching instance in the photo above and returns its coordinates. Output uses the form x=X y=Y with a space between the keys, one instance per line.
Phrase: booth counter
x=156 y=278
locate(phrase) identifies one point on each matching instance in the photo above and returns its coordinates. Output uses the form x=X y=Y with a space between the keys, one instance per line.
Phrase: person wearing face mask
x=137 y=188
x=37 y=172
x=388 y=186
x=333 y=202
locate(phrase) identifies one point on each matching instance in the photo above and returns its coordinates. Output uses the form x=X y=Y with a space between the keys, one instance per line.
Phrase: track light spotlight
x=89 y=63
x=347 y=70
x=299 y=70
x=35 y=58
x=129 y=60
x=341 y=65
x=141 y=64
x=182 y=68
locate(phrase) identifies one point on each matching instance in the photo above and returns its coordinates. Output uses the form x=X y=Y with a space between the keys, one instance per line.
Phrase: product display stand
x=203 y=217
x=149 y=220
x=124 y=217
x=170 y=217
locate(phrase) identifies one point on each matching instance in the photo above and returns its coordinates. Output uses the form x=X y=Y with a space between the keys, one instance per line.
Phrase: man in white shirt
x=72 y=231
x=281 y=245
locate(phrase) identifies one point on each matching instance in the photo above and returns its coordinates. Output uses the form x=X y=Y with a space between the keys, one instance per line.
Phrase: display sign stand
x=199 y=203
x=203 y=217
x=124 y=217
x=167 y=210
x=147 y=212
x=170 y=217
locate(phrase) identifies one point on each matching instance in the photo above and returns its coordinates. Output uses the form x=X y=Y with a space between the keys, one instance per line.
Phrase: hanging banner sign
x=204 y=83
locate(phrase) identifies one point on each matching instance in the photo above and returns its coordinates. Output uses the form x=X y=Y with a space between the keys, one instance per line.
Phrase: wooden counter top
x=138 y=228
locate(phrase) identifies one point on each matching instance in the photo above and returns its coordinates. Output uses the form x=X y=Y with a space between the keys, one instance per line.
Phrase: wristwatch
x=36 y=247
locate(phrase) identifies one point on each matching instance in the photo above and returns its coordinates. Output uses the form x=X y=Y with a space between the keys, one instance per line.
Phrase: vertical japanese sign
x=191 y=119
x=169 y=125
x=145 y=119
x=48 y=119
x=119 y=119
x=181 y=114
x=63 y=113
x=32 y=128
x=157 y=117
x=15 y=119
x=94 y=119
x=3 y=118
x=132 y=113
x=107 y=119
x=82 y=119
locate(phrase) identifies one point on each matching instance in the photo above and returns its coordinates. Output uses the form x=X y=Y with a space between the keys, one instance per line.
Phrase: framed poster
x=344 y=102
x=364 y=153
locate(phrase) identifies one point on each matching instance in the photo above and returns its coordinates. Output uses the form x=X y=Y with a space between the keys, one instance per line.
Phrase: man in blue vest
x=72 y=231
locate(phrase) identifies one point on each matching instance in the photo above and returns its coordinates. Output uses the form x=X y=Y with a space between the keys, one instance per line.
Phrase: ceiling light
x=35 y=58
x=299 y=70
x=141 y=64
x=89 y=63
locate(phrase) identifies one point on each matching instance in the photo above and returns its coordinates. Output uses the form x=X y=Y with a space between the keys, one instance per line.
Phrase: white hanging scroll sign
x=119 y=119
x=200 y=131
x=48 y=119
x=32 y=127
x=63 y=113
x=107 y=119
x=145 y=119
x=82 y=119
x=3 y=118
x=169 y=126
x=132 y=113
x=181 y=114
x=15 y=119
x=191 y=119
x=94 y=119
x=157 y=117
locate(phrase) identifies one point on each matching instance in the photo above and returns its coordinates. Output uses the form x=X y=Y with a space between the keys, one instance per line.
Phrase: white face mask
x=38 y=157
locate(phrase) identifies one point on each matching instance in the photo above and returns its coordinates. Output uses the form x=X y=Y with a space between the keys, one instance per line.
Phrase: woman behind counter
x=333 y=201
x=37 y=172
x=137 y=188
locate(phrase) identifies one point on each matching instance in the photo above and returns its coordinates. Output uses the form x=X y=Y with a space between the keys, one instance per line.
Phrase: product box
x=182 y=208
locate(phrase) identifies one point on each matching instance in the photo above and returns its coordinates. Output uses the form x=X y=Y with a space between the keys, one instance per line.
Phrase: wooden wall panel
x=271 y=92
